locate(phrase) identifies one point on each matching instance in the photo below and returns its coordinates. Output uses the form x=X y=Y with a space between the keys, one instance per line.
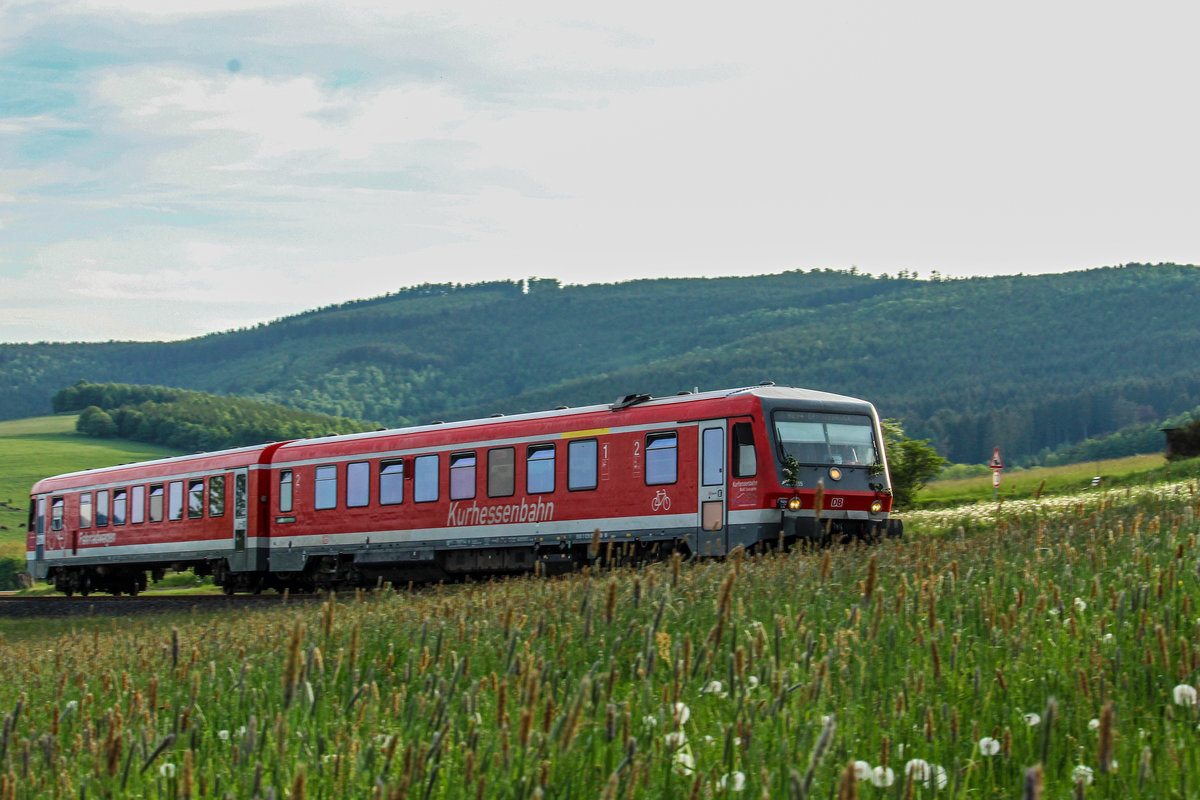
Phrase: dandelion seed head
x=917 y=769
x=223 y=735
x=650 y=721
x=1093 y=724
x=1083 y=773
x=167 y=770
x=1032 y=719
x=675 y=739
x=684 y=763
x=682 y=713
x=1185 y=695
x=1080 y=605
x=882 y=777
x=989 y=746
x=863 y=771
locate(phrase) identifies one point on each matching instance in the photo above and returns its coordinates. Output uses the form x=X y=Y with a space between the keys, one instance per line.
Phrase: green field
x=1022 y=484
x=32 y=449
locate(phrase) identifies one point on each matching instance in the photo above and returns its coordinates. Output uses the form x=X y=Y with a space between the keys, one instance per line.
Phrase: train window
x=462 y=476
x=325 y=487
x=539 y=469
x=712 y=463
x=85 y=510
x=216 y=496
x=745 y=464
x=41 y=515
x=817 y=438
x=581 y=464
x=391 y=482
x=358 y=484
x=285 y=490
x=175 y=500
x=118 y=508
x=195 y=499
x=425 y=479
x=662 y=458
x=102 y=508
x=501 y=463
x=56 y=513
x=156 y=503
x=137 y=504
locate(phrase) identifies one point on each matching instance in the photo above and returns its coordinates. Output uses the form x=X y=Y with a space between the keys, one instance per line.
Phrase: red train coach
x=699 y=473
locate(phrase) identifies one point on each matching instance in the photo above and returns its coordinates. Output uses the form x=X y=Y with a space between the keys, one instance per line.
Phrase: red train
x=698 y=473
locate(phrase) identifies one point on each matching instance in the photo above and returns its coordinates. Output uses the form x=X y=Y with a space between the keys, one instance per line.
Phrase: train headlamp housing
x=835 y=473
x=789 y=503
x=876 y=507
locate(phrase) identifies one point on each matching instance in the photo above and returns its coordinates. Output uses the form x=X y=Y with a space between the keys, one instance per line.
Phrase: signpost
x=996 y=466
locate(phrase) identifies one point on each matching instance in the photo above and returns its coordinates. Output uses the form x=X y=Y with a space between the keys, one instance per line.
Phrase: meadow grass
x=1051 y=645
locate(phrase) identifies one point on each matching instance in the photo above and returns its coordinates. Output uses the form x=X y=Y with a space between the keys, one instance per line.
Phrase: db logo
x=837 y=502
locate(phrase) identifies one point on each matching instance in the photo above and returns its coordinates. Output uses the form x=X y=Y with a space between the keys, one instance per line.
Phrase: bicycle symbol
x=661 y=501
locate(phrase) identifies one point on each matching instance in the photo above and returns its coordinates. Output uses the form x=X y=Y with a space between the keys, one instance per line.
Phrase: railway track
x=13 y=607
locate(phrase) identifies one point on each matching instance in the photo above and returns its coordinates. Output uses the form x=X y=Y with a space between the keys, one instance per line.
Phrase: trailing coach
x=696 y=473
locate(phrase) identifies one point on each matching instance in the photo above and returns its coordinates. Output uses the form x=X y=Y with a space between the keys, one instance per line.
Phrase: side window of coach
x=285 y=490
x=501 y=478
x=156 y=502
x=462 y=476
x=358 y=484
x=85 y=510
x=216 y=496
x=56 y=513
x=102 y=508
x=325 y=486
x=391 y=482
x=662 y=458
x=137 y=504
x=195 y=501
x=118 y=508
x=425 y=479
x=581 y=464
x=539 y=469
x=175 y=500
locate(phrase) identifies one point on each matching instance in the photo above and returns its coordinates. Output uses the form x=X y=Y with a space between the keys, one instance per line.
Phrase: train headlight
x=835 y=473
x=794 y=504
x=876 y=507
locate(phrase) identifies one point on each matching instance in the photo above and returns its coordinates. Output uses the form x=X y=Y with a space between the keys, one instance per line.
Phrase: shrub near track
x=1050 y=647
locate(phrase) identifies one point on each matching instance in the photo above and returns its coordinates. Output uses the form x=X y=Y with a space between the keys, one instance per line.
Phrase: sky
x=171 y=169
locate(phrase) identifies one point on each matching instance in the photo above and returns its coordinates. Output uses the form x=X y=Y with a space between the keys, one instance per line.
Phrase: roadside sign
x=996 y=479
x=996 y=463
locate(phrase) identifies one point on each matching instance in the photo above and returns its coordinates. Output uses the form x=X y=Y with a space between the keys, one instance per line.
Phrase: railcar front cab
x=832 y=471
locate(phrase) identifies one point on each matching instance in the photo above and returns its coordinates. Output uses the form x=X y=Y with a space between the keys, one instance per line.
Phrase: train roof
x=767 y=391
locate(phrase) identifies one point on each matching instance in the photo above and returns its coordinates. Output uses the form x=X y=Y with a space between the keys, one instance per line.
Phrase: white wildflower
x=734 y=781
x=1093 y=724
x=681 y=713
x=675 y=739
x=1185 y=695
x=1080 y=605
x=650 y=721
x=989 y=746
x=715 y=687
x=223 y=735
x=883 y=777
x=167 y=770
x=684 y=764
x=1083 y=773
x=918 y=769
x=862 y=771
x=1032 y=719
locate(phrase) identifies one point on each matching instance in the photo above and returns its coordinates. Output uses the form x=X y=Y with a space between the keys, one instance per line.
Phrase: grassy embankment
x=1024 y=484
x=1061 y=633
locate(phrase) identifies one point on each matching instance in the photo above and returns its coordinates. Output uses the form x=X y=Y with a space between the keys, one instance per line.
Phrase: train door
x=240 y=515
x=39 y=569
x=712 y=499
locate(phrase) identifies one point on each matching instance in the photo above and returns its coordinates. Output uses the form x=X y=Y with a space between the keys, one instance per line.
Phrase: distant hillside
x=1027 y=362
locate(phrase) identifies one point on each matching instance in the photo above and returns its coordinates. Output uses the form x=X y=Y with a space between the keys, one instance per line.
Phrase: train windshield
x=815 y=438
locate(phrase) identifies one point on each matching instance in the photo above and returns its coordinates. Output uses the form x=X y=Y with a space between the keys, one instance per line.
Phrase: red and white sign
x=996 y=463
x=996 y=479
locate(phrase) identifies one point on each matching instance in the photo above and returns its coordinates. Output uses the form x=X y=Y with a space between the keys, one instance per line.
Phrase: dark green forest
x=1032 y=363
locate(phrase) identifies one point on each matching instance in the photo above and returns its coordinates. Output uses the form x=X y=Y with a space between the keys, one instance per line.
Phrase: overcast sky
x=168 y=172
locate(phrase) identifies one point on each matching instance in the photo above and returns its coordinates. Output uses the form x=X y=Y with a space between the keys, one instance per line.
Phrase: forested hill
x=1027 y=362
